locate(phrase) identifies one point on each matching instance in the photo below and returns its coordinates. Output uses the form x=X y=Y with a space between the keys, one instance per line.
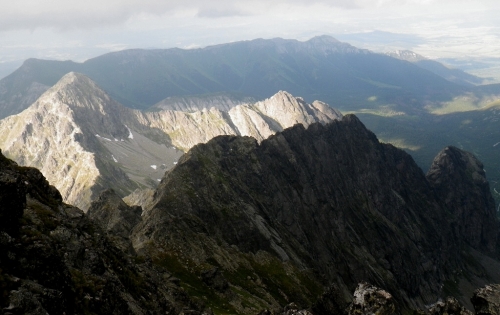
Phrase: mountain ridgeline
x=405 y=103
x=453 y=75
x=330 y=200
x=83 y=141
x=320 y=68
x=239 y=226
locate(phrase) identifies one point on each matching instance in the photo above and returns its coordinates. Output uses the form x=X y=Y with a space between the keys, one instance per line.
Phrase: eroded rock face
x=302 y=196
x=487 y=300
x=460 y=181
x=369 y=299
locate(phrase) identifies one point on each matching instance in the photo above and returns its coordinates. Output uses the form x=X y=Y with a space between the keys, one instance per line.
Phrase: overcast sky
x=78 y=30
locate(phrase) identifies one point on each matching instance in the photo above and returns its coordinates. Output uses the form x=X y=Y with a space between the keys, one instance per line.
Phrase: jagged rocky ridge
x=84 y=142
x=330 y=200
x=238 y=226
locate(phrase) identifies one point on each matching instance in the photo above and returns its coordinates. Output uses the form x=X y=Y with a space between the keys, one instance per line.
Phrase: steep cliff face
x=460 y=181
x=330 y=199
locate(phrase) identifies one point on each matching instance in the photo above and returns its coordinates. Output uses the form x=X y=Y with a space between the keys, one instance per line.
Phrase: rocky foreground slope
x=84 y=142
x=239 y=227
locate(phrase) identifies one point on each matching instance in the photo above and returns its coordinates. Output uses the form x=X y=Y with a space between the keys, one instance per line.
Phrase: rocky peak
x=459 y=179
x=301 y=195
x=58 y=134
x=93 y=109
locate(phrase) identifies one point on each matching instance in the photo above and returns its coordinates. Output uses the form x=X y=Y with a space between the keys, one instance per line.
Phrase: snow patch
x=130 y=135
x=175 y=163
x=153 y=167
x=114 y=159
x=159 y=179
x=98 y=136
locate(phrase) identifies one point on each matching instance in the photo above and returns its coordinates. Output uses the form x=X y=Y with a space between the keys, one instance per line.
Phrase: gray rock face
x=57 y=135
x=331 y=199
x=115 y=217
x=85 y=142
x=487 y=300
x=369 y=300
x=460 y=181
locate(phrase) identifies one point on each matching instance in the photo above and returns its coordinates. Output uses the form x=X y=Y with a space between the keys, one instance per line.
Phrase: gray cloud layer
x=64 y=14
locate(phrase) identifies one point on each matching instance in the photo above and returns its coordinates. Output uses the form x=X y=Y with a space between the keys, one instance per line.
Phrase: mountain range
x=320 y=68
x=84 y=142
x=240 y=227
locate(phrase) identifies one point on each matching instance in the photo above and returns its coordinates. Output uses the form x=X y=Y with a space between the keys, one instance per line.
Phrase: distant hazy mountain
x=320 y=68
x=83 y=141
x=454 y=75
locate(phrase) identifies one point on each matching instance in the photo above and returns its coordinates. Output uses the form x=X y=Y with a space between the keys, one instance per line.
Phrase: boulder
x=486 y=300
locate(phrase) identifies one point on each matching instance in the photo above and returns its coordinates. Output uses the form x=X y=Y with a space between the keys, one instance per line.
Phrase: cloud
x=218 y=13
x=72 y=14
